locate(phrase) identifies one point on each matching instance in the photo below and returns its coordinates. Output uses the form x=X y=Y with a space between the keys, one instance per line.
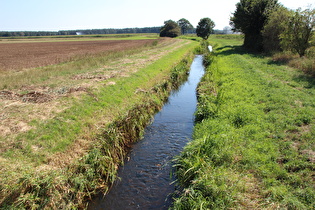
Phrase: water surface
x=145 y=181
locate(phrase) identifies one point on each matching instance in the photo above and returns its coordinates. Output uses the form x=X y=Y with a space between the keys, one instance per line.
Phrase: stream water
x=144 y=180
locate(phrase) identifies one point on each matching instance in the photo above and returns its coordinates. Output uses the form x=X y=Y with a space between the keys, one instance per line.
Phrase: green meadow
x=253 y=145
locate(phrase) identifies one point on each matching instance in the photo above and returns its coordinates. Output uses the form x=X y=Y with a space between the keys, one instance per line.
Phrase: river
x=144 y=179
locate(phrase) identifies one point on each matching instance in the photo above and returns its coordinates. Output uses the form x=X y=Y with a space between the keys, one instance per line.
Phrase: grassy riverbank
x=253 y=145
x=76 y=139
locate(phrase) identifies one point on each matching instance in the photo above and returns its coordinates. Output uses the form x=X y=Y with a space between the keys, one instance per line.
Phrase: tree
x=185 y=25
x=205 y=28
x=170 y=29
x=299 y=31
x=226 y=30
x=249 y=18
x=276 y=24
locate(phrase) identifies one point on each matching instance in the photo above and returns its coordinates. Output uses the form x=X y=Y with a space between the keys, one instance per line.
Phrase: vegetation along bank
x=79 y=117
x=253 y=145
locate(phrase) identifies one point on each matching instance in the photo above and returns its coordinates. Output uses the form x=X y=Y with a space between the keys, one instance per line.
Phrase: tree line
x=183 y=26
x=269 y=26
x=81 y=32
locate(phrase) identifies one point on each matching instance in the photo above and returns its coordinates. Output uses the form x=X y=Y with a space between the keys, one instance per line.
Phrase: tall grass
x=253 y=142
x=305 y=63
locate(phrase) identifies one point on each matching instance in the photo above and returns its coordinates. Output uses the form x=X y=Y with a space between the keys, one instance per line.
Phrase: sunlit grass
x=64 y=159
x=253 y=144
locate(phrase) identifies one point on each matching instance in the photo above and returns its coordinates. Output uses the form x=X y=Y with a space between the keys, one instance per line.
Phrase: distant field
x=17 y=55
x=77 y=37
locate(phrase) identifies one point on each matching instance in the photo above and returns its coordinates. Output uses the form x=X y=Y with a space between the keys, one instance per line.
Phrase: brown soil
x=19 y=56
x=31 y=97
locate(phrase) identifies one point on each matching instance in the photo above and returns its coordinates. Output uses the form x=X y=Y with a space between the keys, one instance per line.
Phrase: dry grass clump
x=284 y=57
x=305 y=63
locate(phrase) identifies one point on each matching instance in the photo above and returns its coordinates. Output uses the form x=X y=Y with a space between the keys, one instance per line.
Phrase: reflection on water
x=145 y=181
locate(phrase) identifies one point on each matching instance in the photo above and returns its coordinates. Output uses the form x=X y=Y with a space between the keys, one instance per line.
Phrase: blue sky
x=54 y=15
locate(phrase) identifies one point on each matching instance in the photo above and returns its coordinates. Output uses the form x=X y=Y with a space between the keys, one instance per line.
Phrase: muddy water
x=145 y=181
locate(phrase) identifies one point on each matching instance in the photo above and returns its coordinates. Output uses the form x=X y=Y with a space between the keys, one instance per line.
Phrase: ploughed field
x=19 y=56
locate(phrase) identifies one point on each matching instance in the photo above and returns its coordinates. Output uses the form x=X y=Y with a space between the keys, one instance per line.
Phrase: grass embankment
x=64 y=159
x=253 y=145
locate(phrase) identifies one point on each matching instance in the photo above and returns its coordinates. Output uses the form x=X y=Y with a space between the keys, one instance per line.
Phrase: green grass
x=104 y=120
x=253 y=144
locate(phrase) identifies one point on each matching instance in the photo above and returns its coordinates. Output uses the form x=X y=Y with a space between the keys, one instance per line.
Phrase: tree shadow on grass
x=283 y=62
x=240 y=50
x=278 y=63
x=305 y=78
x=300 y=77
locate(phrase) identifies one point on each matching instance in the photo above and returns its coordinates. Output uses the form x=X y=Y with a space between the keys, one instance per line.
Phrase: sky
x=55 y=15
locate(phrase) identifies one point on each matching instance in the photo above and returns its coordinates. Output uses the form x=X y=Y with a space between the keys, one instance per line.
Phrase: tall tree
x=299 y=31
x=276 y=24
x=185 y=25
x=170 y=29
x=205 y=28
x=249 y=18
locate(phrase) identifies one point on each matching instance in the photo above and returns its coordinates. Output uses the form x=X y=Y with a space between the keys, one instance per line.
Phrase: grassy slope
x=254 y=144
x=32 y=172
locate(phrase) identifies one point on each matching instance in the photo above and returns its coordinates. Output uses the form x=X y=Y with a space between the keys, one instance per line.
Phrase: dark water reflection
x=145 y=181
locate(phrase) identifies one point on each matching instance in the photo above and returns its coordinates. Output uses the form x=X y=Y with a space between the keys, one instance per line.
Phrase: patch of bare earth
x=17 y=56
x=250 y=198
x=18 y=108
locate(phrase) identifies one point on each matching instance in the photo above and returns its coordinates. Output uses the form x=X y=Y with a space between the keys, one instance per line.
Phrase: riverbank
x=253 y=144
x=144 y=179
x=61 y=160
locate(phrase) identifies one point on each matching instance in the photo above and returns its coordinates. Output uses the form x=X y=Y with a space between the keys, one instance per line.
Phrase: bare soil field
x=18 y=56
